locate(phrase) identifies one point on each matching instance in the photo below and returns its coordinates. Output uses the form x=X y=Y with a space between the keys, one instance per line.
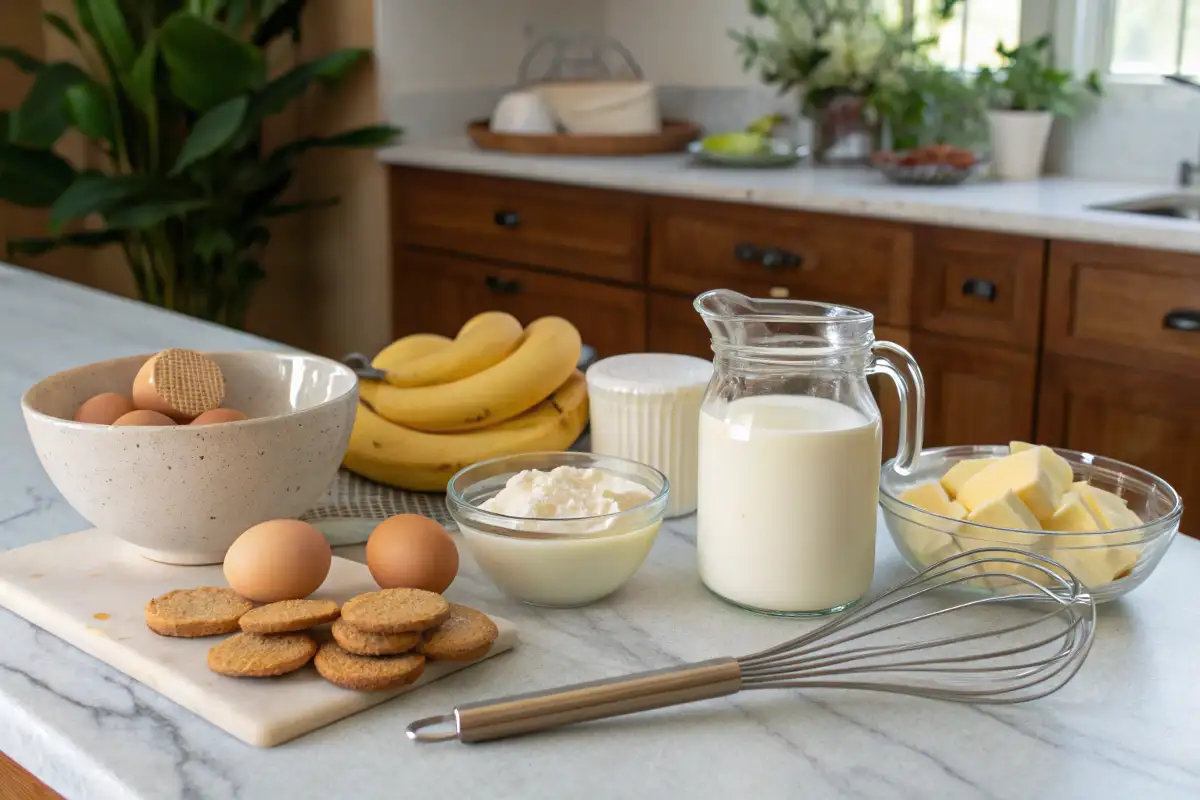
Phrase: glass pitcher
x=790 y=446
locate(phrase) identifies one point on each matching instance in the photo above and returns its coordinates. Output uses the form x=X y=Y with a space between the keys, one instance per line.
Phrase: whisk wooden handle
x=581 y=702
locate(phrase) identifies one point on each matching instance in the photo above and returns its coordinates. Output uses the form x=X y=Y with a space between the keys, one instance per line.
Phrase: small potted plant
x=1024 y=96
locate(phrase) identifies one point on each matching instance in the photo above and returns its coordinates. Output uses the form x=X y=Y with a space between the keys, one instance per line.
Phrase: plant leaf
x=147 y=215
x=89 y=109
x=37 y=246
x=42 y=117
x=32 y=177
x=142 y=75
x=93 y=193
x=112 y=33
x=277 y=94
x=60 y=24
x=211 y=132
x=21 y=60
x=369 y=136
x=207 y=65
x=286 y=17
x=294 y=208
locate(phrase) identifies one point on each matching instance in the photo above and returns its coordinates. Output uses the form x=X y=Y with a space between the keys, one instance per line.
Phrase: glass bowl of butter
x=1106 y=521
x=558 y=529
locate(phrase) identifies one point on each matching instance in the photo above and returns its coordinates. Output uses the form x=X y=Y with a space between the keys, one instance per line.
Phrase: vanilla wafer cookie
x=203 y=611
x=366 y=673
x=182 y=384
x=260 y=655
x=286 y=616
x=362 y=643
x=396 y=611
x=466 y=635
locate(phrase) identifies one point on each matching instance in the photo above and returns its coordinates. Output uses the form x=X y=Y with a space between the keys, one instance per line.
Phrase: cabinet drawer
x=675 y=327
x=979 y=285
x=1144 y=417
x=1140 y=308
x=584 y=231
x=975 y=393
x=438 y=293
x=764 y=252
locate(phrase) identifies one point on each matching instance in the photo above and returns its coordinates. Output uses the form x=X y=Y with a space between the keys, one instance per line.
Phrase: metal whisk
x=1023 y=637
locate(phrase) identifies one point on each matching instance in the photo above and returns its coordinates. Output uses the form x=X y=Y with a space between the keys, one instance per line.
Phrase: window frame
x=1038 y=17
x=1092 y=26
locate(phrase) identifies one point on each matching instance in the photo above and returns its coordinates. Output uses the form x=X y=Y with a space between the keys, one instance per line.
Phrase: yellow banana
x=484 y=341
x=545 y=358
x=410 y=348
x=388 y=453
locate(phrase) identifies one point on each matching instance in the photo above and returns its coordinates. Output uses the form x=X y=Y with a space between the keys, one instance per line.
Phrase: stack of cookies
x=381 y=639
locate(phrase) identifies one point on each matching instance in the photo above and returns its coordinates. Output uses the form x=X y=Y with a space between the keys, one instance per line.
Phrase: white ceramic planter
x=1019 y=143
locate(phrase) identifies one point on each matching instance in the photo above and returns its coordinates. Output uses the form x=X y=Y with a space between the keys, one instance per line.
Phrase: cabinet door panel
x=1146 y=418
x=675 y=327
x=975 y=393
x=439 y=293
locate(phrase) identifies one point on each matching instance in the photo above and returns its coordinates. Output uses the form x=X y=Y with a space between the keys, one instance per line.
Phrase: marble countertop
x=1058 y=208
x=1127 y=726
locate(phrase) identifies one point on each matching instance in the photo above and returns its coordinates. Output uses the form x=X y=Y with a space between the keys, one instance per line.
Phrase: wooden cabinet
x=1086 y=346
x=675 y=327
x=581 y=231
x=975 y=393
x=980 y=285
x=438 y=293
x=1140 y=416
x=696 y=246
x=1134 y=307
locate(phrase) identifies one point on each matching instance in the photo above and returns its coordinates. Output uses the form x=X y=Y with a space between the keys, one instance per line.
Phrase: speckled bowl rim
x=173 y=430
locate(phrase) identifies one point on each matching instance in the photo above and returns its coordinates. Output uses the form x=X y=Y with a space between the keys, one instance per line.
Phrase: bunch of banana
x=495 y=389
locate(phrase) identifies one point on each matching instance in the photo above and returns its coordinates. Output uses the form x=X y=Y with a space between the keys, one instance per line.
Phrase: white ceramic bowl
x=182 y=494
x=614 y=108
x=523 y=113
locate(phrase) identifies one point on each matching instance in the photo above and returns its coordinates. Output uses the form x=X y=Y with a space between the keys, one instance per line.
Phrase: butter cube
x=1005 y=510
x=1058 y=466
x=1026 y=474
x=932 y=496
x=1073 y=516
x=1109 y=509
x=963 y=471
x=1092 y=562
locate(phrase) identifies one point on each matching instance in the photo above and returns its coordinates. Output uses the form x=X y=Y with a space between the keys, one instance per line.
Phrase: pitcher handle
x=898 y=364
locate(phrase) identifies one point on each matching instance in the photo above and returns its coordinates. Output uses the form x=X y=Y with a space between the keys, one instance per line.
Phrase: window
x=968 y=39
x=1155 y=37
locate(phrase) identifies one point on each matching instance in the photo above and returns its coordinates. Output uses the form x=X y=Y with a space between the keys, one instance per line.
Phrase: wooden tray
x=676 y=136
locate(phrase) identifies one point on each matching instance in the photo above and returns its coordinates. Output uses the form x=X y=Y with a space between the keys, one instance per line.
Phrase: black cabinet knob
x=978 y=287
x=503 y=285
x=506 y=219
x=1182 y=319
x=745 y=251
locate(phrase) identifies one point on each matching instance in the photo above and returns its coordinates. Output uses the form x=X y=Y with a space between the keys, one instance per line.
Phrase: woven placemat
x=353 y=505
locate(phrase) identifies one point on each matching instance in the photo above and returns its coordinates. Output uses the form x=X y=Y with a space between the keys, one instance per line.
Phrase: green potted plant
x=174 y=94
x=934 y=105
x=844 y=59
x=1024 y=96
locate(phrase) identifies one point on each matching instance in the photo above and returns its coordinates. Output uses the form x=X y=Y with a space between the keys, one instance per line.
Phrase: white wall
x=683 y=42
x=447 y=45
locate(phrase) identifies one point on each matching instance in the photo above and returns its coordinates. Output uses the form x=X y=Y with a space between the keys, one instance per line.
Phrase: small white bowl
x=613 y=108
x=523 y=113
x=559 y=563
x=182 y=494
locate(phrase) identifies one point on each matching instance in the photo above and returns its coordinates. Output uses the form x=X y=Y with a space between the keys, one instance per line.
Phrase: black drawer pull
x=745 y=252
x=503 y=285
x=1182 y=319
x=506 y=219
x=977 y=287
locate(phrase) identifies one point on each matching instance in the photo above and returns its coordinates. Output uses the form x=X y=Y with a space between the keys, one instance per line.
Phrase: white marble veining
x=1127 y=726
x=1058 y=208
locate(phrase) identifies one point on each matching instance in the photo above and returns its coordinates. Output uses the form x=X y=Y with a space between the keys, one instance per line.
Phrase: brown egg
x=281 y=559
x=412 y=551
x=218 y=415
x=143 y=418
x=182 y=384
x=103 y=409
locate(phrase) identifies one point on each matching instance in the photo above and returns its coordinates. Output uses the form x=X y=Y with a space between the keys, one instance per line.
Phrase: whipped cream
x=566 y=492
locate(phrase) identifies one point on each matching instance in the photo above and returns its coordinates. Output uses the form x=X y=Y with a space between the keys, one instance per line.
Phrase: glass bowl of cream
x=560 y=529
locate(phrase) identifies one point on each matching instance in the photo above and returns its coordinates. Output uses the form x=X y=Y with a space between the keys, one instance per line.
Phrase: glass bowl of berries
x=929 y=165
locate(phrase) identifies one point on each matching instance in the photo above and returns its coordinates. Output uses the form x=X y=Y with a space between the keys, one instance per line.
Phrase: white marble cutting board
x=88 y=589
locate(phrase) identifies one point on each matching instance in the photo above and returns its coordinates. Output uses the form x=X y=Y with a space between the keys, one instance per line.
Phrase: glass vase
x=841 y=131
